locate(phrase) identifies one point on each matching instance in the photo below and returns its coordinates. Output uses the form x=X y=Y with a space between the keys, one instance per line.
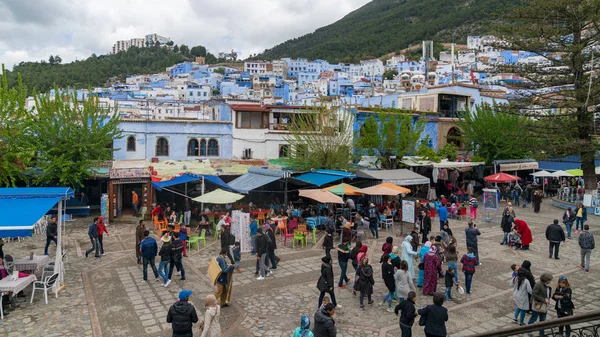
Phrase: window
x=191 y=93
x=284 y=151
x=131 y=144
x=213 y=148
x=162 y=147
x=193 y=148
x=203 y=148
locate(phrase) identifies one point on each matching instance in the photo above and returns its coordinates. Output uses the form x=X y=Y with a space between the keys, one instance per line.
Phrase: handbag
x=539 y=306
x=421 y=266
x=201 y=324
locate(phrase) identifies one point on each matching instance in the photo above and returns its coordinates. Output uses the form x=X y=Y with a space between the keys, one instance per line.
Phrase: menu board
x=408 y=211
x=490 y=199
x=240 y=228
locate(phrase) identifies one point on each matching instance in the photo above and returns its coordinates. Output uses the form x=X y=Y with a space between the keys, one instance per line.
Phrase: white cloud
x=73 y=29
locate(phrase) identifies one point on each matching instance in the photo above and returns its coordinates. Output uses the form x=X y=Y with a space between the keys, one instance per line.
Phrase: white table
x=36 y=265
x=16 y=286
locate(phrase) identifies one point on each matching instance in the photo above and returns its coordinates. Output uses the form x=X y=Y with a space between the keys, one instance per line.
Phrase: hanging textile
x=454 y=175
x=443 y=174
x=431 y=195
x=434 y=175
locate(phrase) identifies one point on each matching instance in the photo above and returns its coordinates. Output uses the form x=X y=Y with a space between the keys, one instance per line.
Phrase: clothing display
x=431 y=195
x=453 y=175
x=434 y=174
x=442 y=174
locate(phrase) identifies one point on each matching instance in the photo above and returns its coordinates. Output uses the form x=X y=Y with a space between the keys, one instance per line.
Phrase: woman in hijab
x=354 y=253
x=326 y=282
x=347 y=233
x=433 y=266
x=404 y=282
x=408 y=255
x=365 y=281
x=424 y=250
x=525 y=233
x=212 y=327
x=304 y=329
x=527 y=266
x=362 y=254
x=387 y=247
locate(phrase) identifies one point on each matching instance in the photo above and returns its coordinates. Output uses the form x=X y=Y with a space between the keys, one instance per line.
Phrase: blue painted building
x=181 y=68
x=282 y=92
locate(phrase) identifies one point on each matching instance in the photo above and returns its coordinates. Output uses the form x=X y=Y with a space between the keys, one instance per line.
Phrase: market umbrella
x=501 y=178
x=219 y=196
x=322 y=196
x=379 y=190
x=562 y=173
x=576 y=172
x=343 y=189
x=542 y=174
x=400 y=189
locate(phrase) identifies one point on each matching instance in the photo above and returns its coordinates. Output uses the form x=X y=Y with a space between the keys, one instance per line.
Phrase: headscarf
x=348 y=225
x=326 y=259
x=526 y=264
x=432 y=250
x=428 y=244
x=396 y=249
x=211 y=301
x=363 y=249
x=304 y=326
x=266 y=226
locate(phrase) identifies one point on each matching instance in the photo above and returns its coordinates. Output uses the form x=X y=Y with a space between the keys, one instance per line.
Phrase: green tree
x=185 y=50
x=390 y=137
x=198 y=51
x=321 y=138
x=170 y=43
x=57 y=59
x=70 y=137
x=491 y=134
x=51 y=59
x=176 y=49
x=219 y=71
x=566 y=33
x=211 y=59
x=448 y=151
x=389 y=74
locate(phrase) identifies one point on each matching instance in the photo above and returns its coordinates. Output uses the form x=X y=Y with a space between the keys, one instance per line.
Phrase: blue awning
x=558 y=165
x=73 y=206
x=25 y=206
x=189 y=177
x=255 y=178
x=324 y=177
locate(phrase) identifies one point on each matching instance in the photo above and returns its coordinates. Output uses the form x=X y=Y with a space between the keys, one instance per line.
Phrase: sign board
x=120 y=173
x=240 y=228
x=519 y=166
x=587 y=200
x=104 y=207
x=490 y=199
x=408 y=211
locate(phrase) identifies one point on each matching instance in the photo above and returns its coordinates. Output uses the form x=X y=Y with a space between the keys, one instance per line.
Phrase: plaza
x=107 y=297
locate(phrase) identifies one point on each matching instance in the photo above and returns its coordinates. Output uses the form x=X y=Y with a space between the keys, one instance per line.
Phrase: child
x=515 y=268
x=183 y=237
x=408 y=314
x=326 y=300
x=237 y=256
x=449 y=280
x=452 y=259
x=564 y=306
x=469 y=262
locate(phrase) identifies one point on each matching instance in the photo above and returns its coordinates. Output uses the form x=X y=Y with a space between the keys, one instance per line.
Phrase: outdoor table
x=16 y=286
x=315 y=221
x=279 y=220
x=36 y=265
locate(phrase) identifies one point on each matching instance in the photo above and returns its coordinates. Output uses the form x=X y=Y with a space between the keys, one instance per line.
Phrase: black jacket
x=426 y=225
x=507 y=221
x=471 y=233
x=225 y=239
x=165 y=252
x=326 y=280
x=51 y=230
x=343 y=253
x=529 y=276
x=271 y=235
x=387 y=271
x=176 y=250
x=182 y=315
x=555 y=233
x=262 y=245
x=365 y=279
x=324 y=324
x=571 y=218
x=408 y=313
x=448 y=280
x=328 y=241
x=437 y=316
x=353 y=253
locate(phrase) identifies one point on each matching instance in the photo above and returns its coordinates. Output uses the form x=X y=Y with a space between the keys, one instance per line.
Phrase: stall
x=127 y=176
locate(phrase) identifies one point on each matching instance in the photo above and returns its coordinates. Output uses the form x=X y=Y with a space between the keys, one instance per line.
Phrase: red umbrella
x=501 y=178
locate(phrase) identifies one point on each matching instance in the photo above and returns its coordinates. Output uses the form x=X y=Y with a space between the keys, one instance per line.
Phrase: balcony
x=450 y=113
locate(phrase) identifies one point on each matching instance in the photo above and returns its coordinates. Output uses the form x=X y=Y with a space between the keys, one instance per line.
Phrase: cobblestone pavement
x=107 y=297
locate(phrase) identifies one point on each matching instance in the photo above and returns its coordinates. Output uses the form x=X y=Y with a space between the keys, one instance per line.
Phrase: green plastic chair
x=202 y=237
x=298 y=236
x=215 y=231
x=193 y=240
x=314 y=236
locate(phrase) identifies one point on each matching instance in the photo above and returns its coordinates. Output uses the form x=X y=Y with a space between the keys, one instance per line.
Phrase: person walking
x=365 y=281
x=187 y=212
x=93 y=234
x=387 y=271
x=471 y=232
x=507 y=224
x=149 y=249
x=568 y=219
x=521 y=292
x=537 y=201
x=272 y=246
x=555 y=235
x=176 y=257
x=449 y=283
x=451 y=256
x=324 y=323
x=354 y=255
x=443 y=214
x=540 y=299
x=343 y=250
x=426 y=226
x=135 y=203
x=404 y=282
x=182 y=315
x=409 y=255
x=374 y=220
x=51 y=233
x=262 y=248
x=580 y=219
x=228 y=240
x=211 y=327
x=325 y=284
x=469 y=262
x=564 y=305
x=422 y=253
x=223 y=280
x=408 y=313
x=253 y=230
x=139 y=236
x=433 y=266
x=435 y=316
x=473 y=205
x=304 y=329
x=586 y=244
x=328 y=242
x=165 y=259
x=101 y=231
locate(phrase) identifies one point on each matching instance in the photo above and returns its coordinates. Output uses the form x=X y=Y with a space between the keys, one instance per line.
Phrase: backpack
x=475 y=204
x=372 y=213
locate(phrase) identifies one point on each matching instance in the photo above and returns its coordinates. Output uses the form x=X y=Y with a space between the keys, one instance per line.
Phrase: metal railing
x=590 y=328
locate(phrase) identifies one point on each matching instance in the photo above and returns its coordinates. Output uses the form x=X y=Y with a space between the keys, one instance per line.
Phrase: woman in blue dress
x=424 y=250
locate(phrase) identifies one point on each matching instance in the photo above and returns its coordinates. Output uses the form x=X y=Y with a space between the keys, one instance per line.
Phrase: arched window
x=193 y=148
x=454 y=137
x=131 y=144
x=162 y=147
x=213 y=148
x=203 y=148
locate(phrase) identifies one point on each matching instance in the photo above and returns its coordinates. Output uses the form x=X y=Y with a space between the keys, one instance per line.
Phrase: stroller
x=514 y=240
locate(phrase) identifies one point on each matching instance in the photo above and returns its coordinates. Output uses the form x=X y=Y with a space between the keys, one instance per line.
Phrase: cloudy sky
x=36 y=29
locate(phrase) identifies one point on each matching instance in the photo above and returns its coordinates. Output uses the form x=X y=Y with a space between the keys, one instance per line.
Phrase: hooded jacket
x=182 y=315
x=387 y=273
x=165 y=252
x=469 y=262
x=343 y=253
x=586 y=240
x=326 y=280
x=555 y=233
x=324 y=324
x=408 y=313
x=527 y=266
x=365 y=279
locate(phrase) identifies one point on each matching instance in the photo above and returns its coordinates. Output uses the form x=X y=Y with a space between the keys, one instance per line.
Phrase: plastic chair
x=216 y=232
x=462 y=213
x=260 y=218
x=48 y=283
x=298 y=236
x=287 y=235
x=202 y=237
x=282 y=226
x=432 y=213
x=314 y=235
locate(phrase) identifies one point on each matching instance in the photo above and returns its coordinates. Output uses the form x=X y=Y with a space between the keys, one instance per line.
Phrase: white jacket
x=212 y=327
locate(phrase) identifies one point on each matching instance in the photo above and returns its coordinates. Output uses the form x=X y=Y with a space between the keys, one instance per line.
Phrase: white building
x=258 y=67
x=372 y=68
x=482 y=43
x=147 y=41
x=280 y=68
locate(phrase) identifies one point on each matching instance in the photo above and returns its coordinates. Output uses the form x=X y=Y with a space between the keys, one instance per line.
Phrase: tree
x=70 y=137
x=185 y=50
x=51 y=59
x=219 y=71
x=321 y=138
x=390 y=136
x=211 y=59
x=176 y=49
x=170 y=43
x=57 y=59
x=448 y=151
x=389 y=74
x=198 y=51
x=566 y=33
x=492 y=134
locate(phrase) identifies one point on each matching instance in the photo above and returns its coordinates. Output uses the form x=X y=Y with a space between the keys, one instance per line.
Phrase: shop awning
x=517 y=164
x=25 y=206
x=324 y=177
x=73 y=206
x=399 y=177
x=255 y=178
x=189 y=177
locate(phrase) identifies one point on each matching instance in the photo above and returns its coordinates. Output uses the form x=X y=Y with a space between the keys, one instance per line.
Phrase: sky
x=32 y=30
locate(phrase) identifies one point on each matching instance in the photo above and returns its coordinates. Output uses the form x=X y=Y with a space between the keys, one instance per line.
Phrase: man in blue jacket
x=223 y=280
x=443 y=212
x=93 y=234
x=149 y=248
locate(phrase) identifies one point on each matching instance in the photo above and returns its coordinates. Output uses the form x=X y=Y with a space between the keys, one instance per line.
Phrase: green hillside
x=384 y=26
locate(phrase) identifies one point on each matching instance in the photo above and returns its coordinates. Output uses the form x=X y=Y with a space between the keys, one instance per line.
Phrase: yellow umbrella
x=219 y=196
x=343 y=189
x=322 y=196
x=379 y=190
x=401 y=189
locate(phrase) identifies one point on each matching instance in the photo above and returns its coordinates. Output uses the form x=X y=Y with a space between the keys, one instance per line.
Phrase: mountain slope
x=383 y=26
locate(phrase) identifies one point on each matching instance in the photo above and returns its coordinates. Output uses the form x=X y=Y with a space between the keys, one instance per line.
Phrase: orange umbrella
x=322 y=196
x=401 y=189
x=343 y=189
x=379 y=190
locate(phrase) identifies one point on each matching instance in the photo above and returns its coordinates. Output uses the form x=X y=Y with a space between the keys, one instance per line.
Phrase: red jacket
x=101 y=228
x=524 y=231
